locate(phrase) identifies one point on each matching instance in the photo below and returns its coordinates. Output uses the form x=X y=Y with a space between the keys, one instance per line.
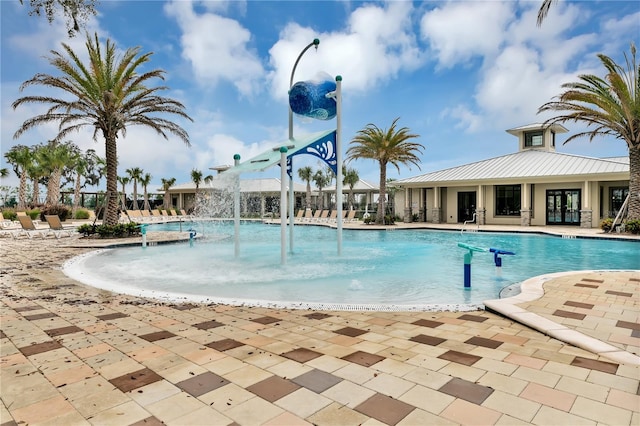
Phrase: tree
x=54 y=158
x=107 y=94
x=145 y=180
x=124 y=180
x=609 y=106
x=79 y=166
x=21 y=158
x=197 y=178
x=166 y=184
x=321 y=180
x=4 y=172
x=544 y=10
x=386 y=147
x=350 y=178
x=135 y=173
x=306 y=174
x=75 y=12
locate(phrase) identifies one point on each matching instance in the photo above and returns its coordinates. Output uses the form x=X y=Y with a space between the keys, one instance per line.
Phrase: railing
x=473 y=220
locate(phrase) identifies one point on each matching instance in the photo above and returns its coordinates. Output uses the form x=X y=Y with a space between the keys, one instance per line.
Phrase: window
x=533 y=139
x=617 y=195
x=508 y=200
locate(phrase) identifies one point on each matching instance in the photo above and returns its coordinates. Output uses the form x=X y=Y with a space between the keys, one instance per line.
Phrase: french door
x=466 y=206
x=563 y=207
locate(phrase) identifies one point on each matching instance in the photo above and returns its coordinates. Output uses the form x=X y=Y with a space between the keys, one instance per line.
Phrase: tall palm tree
x=306 y=174
x=108 y=94
x=350 y=179
x=386 y=147
x=612 y=106
x=124 y=180
x=145 y=180
x=321 y=180
x=36 y=172
x=166 y=184
x=135 y=173
x=20 y=157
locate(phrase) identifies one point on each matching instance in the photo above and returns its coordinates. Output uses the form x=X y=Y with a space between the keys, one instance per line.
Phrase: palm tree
x=350 y=179
x=544 y=10
x=387 y=147
x=166 y=184
x=79 y=166
x=36 y=172
x=145 y=180
x=197 y=178
x=20 y=157
x=124 y=180
x=107 y=94
x=306 y=174
x=612 y=106
x=54 y=159
x=322 y=180
x=135 y=173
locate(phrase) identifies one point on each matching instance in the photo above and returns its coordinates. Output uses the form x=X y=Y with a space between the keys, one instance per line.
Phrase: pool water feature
x=394 y=269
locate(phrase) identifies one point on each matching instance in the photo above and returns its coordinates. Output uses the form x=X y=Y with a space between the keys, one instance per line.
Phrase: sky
x=457 y=73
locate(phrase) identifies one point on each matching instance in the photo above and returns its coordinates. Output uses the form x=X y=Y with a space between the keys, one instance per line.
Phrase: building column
x=422 y=214
x=481 y=212
x=525 y=208
x=436 y=211
x=586 y=213
x=407 y=205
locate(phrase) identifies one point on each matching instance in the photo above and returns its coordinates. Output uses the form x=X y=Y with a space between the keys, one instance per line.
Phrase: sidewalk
x=72 y=354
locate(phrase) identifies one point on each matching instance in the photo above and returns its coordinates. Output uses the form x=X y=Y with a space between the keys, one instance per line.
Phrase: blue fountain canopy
x=321 y=144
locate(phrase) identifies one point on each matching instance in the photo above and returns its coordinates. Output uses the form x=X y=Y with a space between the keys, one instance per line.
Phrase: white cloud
x=217 y=48
x=460 y=31
x=377 y=44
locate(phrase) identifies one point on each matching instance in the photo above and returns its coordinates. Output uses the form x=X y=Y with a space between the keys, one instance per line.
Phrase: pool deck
x=564 y=351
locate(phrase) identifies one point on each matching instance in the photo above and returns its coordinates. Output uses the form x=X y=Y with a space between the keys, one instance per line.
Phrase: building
x=534 y=186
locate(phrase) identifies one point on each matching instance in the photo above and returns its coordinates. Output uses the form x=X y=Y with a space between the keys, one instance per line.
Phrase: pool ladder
x=473 y=220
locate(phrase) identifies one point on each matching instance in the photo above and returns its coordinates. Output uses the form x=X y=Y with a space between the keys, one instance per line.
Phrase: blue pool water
x=398 y=267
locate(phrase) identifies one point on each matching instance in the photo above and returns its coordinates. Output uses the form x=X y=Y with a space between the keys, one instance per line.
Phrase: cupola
x=537 y=136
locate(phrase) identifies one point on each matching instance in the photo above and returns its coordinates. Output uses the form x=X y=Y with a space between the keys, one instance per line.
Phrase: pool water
x=398 y=267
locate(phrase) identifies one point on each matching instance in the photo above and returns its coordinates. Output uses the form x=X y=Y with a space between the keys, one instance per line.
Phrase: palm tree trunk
x=111 y=214
x=308 y=197
x=53 y=188
x=146 y=200
x=36 y=192
x=634 y=183
x=135 y=194
x=382 y=195
x=22 y=191
x=76 y=196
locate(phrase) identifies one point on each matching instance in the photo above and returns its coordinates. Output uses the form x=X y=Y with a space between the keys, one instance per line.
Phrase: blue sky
x=457 y=73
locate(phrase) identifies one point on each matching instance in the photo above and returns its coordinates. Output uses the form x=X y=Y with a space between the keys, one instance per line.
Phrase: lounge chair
x=324 y=216
x=29 y=228
x=351 y=216
x=308 y=215
x=299 y=215
x=186 y=215
x=334 y=215
x=316 y=215
x=56 y=226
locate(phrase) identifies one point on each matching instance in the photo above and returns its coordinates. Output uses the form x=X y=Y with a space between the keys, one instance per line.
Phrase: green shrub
x=9 y=214
x=120 y=230
x=633 y=226
x=61 y=211
x=82 y=214
x=606 y=224
x=87 y=229
x=34 y=214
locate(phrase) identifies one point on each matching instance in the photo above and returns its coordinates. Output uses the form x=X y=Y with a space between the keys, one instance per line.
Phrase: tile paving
x=70 y=355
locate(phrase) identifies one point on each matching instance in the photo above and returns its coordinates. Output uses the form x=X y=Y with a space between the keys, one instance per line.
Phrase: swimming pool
x=377 y=268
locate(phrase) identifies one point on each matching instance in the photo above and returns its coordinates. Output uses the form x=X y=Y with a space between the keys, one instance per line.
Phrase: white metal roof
x=529 y=164
x=246 y=185
x=558 y=128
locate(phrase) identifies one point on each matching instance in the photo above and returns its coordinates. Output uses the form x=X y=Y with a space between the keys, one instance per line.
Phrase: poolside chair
x=299 y=215
x=186 y=215
x=351 y=216
x=308 y=215
x=29 y=228
x=324 y=216
x=157 y=215
x=316 y=215
x=334 y=216
x=56 y=226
